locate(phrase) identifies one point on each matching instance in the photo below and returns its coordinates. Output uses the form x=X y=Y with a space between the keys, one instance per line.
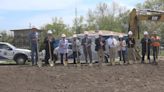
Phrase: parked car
x=70 y=54
x=10 y=52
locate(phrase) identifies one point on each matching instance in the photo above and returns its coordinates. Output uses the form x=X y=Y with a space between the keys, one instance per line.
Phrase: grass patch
x=162 y=53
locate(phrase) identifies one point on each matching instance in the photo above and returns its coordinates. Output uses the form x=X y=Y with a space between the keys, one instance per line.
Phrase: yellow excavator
x=142 y=15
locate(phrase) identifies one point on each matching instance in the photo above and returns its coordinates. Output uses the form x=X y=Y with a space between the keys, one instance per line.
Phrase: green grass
x=162 y=53
x=8 y=62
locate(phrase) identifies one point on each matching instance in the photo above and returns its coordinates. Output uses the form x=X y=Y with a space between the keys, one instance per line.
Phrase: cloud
x=42 y=19
x=15 y=14
x=36 y=4
x=129 y=4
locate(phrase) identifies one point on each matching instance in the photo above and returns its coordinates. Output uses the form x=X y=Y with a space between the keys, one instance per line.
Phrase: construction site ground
x=118 y=78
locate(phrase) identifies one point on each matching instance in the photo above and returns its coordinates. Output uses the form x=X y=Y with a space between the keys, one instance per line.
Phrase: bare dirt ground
x=119 y=78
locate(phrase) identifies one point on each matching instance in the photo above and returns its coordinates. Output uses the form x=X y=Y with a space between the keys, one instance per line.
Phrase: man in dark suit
x=86 y=43
x=100 y=47
x=49 y=48
x=146 y=42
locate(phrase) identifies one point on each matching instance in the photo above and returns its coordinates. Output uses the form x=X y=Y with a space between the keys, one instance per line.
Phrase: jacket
x=98 y=45
x=155 y=41
x=75 y=45
x=130 y=42
x=86 y=43
x=63 y=46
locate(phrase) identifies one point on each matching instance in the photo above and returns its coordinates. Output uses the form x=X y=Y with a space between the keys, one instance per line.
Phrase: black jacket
x=97 y=43
x=128 y=42
x=146 y=42
x=46 y=42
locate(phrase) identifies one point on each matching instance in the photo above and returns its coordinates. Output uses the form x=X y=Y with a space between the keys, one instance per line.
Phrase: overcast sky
x=18 y=14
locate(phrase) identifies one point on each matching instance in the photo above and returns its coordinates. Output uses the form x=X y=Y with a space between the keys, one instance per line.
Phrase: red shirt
x=155 y=41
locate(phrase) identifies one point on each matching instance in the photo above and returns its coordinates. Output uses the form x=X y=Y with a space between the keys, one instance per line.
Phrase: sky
x=19 y=14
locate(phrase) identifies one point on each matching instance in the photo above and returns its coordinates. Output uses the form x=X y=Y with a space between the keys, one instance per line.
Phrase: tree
x=58 y=27
x=111 y=18
x=4 y=37
x=78 y=25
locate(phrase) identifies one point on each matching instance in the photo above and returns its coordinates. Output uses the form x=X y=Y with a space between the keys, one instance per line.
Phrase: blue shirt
x=63 y=46
x=33 y=37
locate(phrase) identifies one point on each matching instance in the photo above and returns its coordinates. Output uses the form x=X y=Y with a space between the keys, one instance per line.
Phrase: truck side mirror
x=9 y=49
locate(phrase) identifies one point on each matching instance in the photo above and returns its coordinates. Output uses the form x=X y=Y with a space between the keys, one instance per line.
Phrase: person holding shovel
x=49 y=48
x=63 y=49
x=155 y=45
x=145 y=42
x=122 y=48
x=75 y=49
x=100 y=47
x=112 y=44
x=130 y=48
x=86 y=44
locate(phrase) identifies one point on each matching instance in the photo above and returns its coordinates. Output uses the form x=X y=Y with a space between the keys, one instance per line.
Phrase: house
x=21 y=38
x=106 y=33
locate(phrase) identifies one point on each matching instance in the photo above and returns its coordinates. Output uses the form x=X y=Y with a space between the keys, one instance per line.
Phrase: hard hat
x=74 y=36
x=145 y=33
x=34 y=28
x=85 y=32
x=120 y=36
x=100 y=33
x=49 y=32
x=63 y=35
x=130 y=33
x=155 y=32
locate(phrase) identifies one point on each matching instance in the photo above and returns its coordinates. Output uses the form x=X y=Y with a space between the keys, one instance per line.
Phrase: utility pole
x=76 y=17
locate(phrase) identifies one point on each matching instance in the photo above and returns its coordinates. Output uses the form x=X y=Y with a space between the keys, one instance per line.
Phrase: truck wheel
x=20 y=60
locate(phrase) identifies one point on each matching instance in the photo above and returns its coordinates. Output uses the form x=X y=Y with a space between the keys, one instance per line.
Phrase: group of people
x=124 y=47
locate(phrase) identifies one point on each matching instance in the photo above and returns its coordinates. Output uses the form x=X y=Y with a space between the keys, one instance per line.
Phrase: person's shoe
x=121 y=62
x=113 y=63
x=155 y=63
x=91 y=64
x=142 y=62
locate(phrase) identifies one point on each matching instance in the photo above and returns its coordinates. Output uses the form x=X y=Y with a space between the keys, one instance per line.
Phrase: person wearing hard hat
x=130 y=48
x=49 y=48
x=33 y=37
x=75 y=48
x=145 y=42
x=112 y=44
x=122 y=48
x=63 y=48
x=100 y=47
x=86 y=43
x=155 y=44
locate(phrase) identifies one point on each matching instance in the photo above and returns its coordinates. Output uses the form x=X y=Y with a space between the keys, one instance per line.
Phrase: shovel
x=51 y=62
x=146 y=52
x=39 y=63
x=78 y=59
x=65 y=62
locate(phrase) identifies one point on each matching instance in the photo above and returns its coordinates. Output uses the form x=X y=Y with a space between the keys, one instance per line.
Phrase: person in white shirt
x=112 y=44
x=63 y=48
x=122 y=48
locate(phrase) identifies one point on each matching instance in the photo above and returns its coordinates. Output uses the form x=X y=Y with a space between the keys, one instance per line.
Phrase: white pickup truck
x=10 y=52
